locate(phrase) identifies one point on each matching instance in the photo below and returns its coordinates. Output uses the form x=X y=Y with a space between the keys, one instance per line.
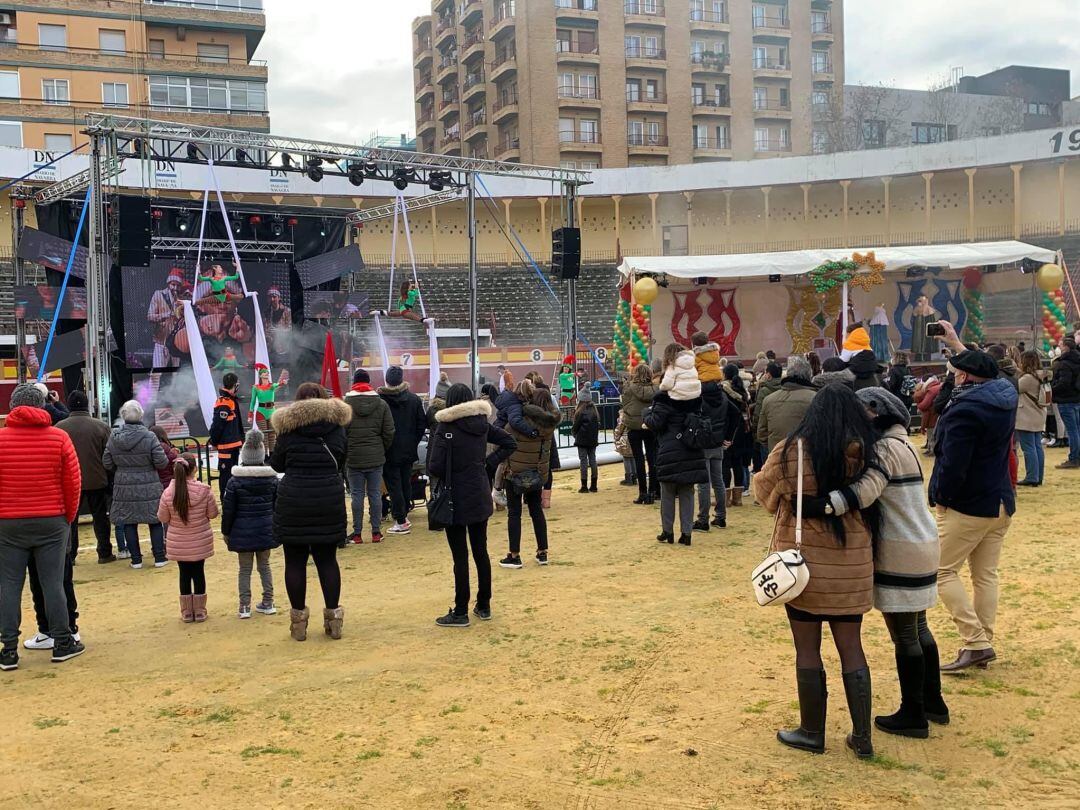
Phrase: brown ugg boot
x=298 y=623
x=736 y=496
x=198 y=603
x=332 y=621
x=728 y=497
x=187 y=612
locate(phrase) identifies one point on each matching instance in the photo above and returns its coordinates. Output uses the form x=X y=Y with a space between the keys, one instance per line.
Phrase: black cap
x=361 y=376
x=77 y=401
x=977 y=363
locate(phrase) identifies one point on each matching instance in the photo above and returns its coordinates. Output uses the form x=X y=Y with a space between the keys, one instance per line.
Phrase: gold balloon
x=646 y=290
x=1050 y=277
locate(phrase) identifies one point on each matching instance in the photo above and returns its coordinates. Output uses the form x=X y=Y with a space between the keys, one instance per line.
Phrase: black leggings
x=909 y=632
x=643 y=446
x=325 y=557
x=514 y=499
x=847 y=636
x=192 y=577
x=734 y=472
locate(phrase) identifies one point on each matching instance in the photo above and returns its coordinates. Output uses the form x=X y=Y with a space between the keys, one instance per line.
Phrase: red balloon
x=972 y=278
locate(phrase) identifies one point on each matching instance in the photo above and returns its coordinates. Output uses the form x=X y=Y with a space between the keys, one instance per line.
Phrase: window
x=873 y=134
x=761 y=56
x=723 y=99
x=590 y=130
x=57 y=144
x=589 y=165
x=759 y=16
x=9 y=84
x=633 y=45
x=652 y=89
x=761 y=140
x=722 y=141
x=785 y=137
x=655 y=138
x=819 y=142
x=697 y=10
x=567 y=129
x=652 y=46
x=114 y=94
x=587 y=86
x=567 y=164
x=633 y=89
x=562 y=41
x=820 y=98
x=10 y=133
x=1038 y=108
x=157 y=49
x=52 y=37
x=635 y=133
x=927 y=133
x=697 y=48
x=701 y=136
x=566 y=85
x=214 y=95
x=819 y=60
x=761 y=98
x=54 y=91
x=819 y=22
x=112 y=41
x=697 y=93
x=208 y=52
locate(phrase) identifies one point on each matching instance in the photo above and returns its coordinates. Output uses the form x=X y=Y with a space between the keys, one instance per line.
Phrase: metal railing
x=565 y=46
x=477 y=118
x=641 y=97
x=821 y=67
x=821 y=27
x=772 y=21
x=701 y=15
x=501 y=13
x=644 y=8
x=507 y=144
x=704 y=101
x=445 y=23
x=250 y=6
x=504 y=100
x=503 y=58
x=578 y=5
x=645 y=52
x=149 y=56
x=578 y=136
x=422 y=45
x=771 y=64
x=473 y=79
x=644 y=139
x=710 y=59
x=569 y=91
x=80 y=107
x=711 y=142
x=772 y=104
x=772 y=145
x=450 y=137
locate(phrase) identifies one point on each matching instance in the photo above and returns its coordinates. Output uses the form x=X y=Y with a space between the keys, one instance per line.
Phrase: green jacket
x=371 y=430
x=635 y=399
x=782 y=412
x=766 y=387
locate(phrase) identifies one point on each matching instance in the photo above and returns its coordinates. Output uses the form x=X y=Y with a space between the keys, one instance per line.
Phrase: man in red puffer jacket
x=40 y=488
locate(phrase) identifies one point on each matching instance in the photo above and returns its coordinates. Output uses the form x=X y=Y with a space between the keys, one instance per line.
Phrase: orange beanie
x=857 y=341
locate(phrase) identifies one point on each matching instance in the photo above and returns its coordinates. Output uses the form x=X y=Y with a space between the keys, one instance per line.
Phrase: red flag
x=329 y=368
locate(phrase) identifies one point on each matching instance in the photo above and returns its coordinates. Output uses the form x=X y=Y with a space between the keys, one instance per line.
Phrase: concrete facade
x=617 y=83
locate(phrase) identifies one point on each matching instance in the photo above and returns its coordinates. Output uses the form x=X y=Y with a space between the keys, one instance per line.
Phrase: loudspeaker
x=135 y=230
x=566 y=252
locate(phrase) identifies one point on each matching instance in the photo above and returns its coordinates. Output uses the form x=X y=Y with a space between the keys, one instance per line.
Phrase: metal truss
x=163 y=140
x=411 y=204
x=110 y=169
x=185 y=244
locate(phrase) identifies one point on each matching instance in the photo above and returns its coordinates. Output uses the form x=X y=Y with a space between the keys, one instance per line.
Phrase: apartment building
x=614 y=83
x=188 y=61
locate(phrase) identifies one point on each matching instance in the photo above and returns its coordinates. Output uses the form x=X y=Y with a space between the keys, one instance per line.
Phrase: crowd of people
x=698 y=434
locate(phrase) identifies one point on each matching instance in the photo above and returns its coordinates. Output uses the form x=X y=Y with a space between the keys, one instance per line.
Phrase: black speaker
x=566 y=252
x=135 y=230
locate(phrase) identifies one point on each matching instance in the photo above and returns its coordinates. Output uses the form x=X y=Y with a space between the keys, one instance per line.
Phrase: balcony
x=502 y=22
x=570 y=96
x=638 y=143
x=505 y=106
x=822 y=70
x=476 y=124
x=646 y=57
x=644 y=12
x=425 y=121
x=470 y=10
x=503 y=65
x=639 y=101
x=577 y=52
x=508 y=149
x=424 y=88
x=168 y=63
x=709 y=62
x=821 y=31
x=571 y=140
x=771 y=67
x=422 y=52
x=450 y=143
x=74 y=113
x=772 y=108
x=472 y=46
x=245 y=16
x=448 y=105
x=445 y=30
x=576 y=10
x=712 y=106
x=772 y=26
x=709 y=147
x=447 y=69
x=474 y=85
x=771 y=146
x=702 y=20
x=479 y=152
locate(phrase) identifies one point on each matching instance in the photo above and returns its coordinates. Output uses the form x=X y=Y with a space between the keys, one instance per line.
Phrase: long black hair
x=458 y=393
x=731 y=374
x=834 y=421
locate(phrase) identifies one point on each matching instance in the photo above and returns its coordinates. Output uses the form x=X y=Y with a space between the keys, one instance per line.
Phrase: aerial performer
x=263 y=396
x=219 y=282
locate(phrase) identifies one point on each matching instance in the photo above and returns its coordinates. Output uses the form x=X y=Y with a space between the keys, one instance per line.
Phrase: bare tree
x=863 y=117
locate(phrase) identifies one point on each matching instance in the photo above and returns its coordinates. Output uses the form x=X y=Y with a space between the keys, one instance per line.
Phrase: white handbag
x=783 y=575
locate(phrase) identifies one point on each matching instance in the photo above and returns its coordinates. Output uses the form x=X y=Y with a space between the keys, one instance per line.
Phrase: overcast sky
x=342 y=69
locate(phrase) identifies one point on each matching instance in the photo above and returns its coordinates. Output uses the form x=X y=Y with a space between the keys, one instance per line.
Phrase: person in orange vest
x=227 y=429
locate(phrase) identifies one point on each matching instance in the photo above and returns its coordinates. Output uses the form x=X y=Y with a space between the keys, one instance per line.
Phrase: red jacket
x=39 y=469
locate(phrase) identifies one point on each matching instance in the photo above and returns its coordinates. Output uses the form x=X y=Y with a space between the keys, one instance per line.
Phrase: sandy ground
x=625 y=675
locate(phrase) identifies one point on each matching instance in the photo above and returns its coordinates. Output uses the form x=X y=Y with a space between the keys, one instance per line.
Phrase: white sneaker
x=136 y=566
x=123 y=555
x=40 y=641
x=399 y=528
x=244 y=612
x=160 y=563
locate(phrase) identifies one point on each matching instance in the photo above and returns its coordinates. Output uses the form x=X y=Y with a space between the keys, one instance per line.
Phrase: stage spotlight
x=314 y=169
x=402 y=175
x=183 y=220
x=193 y=152
x=356 y=173
x=437 y=181
x=157 y=213
x=774 y=278
x=255 y=219
x=137 y=147
x=236 y=223
x=277 y=226
x=1028 y=266
x=371 y=168
x=324 y=227
x=292 y=222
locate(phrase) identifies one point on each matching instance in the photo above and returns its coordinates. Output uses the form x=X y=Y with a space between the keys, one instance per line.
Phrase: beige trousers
x=976 y=541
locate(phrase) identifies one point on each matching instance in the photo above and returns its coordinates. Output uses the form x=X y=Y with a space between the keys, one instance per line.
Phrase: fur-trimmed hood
x=475 y=407
x=393 y=390
x=254 y=471
x=681 y=378
x=708 y=347
x=541 y=417
x=308 y=412
x=707 y=363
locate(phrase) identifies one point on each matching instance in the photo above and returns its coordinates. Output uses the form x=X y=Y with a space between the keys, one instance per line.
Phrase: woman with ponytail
x=188 y=506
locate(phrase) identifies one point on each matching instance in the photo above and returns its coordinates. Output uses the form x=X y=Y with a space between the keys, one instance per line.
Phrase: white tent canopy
x=798 y=262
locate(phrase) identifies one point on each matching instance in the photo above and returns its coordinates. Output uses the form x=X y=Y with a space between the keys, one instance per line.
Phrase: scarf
x=961 y=390
x=361 y=388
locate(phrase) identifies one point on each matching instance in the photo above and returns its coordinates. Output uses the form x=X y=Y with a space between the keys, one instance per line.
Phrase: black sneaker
x=701 y=525
x=684 y=539
x=592 y=488
x=720 y=523
x=68 y=650
x=583 y=489
x=510 y=561
x=664 y=537
x=103 y=560
x=483 y=614
x=9 y=659
x=452 y=619
x=628 y=482
x=541 y=558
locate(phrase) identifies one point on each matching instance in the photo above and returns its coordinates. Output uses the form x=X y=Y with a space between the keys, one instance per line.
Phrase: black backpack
x=698 y=433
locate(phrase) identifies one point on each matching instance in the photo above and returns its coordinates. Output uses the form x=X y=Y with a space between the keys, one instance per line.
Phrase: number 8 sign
x=537 y=355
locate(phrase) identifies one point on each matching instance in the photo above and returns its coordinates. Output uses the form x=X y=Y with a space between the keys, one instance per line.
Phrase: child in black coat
x=586 y=432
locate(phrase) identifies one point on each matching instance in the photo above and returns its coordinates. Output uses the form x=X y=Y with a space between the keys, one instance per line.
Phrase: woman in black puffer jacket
x=460 y=441
x=309 y=516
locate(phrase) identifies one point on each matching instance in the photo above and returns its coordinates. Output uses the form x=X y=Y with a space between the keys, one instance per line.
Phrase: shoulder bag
x=440 y=506
x=783 y=575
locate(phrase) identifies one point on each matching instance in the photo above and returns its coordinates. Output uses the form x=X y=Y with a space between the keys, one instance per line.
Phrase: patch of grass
x=939 y=774
x=984 y=783
x=113 y=731
x=286 y=782
x=477 y=760
x=371 y=753
x=46 y=675
x=887 y=763
x=167 y=693
x=453 y=708
x=416 y=754
x=1021 y=734
x=285 y=717
x=253 y=751
x=756 y=708
x=1045 y=765
x=49 y=722
x=223 y=715
x=995 y=747
x=426 y=742
x=619 y=664
x=519 y=702
x=1019 y=690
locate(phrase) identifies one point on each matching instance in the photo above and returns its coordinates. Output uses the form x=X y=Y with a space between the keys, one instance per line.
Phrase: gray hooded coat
x=135 y=455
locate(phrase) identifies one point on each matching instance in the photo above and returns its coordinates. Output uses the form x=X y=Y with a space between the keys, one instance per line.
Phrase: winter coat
x=944 y=394
x=867 y=370
x=845 y=377
x=1008 y=371
x=676 y=463
x=894 y=381
x=1031 y=413
x=907 y=554
x=841 y=576
x=470 y=433
x=924 y=401
x=764 y=390
x=783 y=411
x=680 y=379
x=227 y=426
x=371 y=431
x=721 y=412
x=742 y=437
x=135 y=454
x=39 y=468
x=311 y=450
x=247 y=510
x=165 y=474
x=189 y=540
x=57 y=411
x=707 y=363
x=1066 y=381
x=510 y=412
x=434 y=406
x=635 y=399
x=621 y=437
x=534 y=452
x=972 y=443
x=89 y=435
x=586 y=428
x=410 y=423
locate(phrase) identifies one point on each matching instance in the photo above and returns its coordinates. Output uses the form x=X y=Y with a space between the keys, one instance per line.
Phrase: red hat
x=568 y=360
x=177 y=275
x=261 y=367
x=274 y=290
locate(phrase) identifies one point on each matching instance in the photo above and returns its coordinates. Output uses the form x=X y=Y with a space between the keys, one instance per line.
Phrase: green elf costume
x=263 y=395
x=218 y=285
x=567 y=382
x=228 y=362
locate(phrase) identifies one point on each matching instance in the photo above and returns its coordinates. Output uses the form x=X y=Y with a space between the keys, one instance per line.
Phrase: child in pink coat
x=188 y=506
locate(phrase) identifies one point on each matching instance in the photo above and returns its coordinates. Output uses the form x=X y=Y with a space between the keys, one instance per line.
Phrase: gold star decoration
x=876 y=275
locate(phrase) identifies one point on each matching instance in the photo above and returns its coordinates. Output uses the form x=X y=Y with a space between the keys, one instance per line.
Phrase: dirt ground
x=625 y=675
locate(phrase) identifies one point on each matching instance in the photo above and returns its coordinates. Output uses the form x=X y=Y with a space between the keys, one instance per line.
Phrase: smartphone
x=935 y=329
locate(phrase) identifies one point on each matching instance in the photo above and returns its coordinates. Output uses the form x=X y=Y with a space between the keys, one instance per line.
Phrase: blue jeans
x=157 y=541
x=369 y=483
x=1034 y=455
x=1070 y=415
